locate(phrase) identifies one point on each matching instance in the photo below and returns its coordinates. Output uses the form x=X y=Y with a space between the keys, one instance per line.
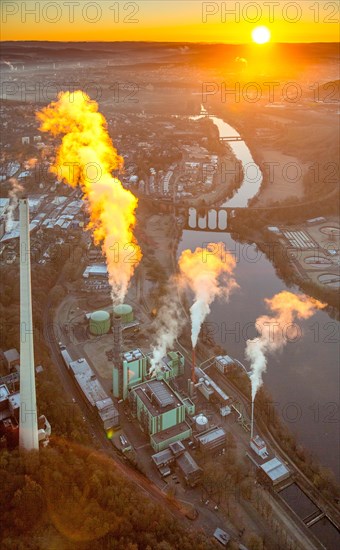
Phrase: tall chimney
x=117 y=354
x=28 y=422
x=252 y=420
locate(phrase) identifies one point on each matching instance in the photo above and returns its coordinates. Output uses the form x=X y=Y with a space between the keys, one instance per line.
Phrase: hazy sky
x=227 y=21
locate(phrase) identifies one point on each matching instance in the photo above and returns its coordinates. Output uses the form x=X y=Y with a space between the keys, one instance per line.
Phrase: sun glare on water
x=261 y=35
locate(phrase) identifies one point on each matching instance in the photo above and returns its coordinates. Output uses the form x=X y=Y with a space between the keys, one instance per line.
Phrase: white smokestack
x=28 y=423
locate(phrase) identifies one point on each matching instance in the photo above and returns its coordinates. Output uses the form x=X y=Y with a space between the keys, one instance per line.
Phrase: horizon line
x=161 y=42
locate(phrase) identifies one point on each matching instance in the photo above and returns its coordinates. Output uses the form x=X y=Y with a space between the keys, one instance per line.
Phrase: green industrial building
x=160 y=412
x=134 y=364
x=170 y=366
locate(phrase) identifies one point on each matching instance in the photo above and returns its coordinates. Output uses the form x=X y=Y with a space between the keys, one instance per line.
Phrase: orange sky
x=229 y=21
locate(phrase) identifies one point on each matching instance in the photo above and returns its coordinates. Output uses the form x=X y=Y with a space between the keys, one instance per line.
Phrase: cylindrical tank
x=99 y=323
x=202 y=423
x=125 y=312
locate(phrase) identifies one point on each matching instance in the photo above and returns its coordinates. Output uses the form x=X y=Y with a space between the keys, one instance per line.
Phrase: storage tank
x=202 y=423
x=125 y=312
x=99 y=323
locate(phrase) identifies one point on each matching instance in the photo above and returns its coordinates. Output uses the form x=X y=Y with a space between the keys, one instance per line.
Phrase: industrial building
x=274 y=471
x=212 y=441
x=170 y=366
x=190 y=470
x=222 y=362
x=92 y=390
x=259 y=447
x=133 y=371
x=95 y=270
x=11 y=359
x=176 y=454
x=160 y=413
x=10 y=417
x=209 y=388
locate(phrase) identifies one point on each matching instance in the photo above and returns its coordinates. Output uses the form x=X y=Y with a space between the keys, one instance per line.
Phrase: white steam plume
x=170 y=321
x=13 y=194
x=208 y=273
x=286 y=307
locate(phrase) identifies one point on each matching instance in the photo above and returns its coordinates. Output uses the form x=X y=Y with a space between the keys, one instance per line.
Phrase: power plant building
x=133 y=371
x=222 y=362
x=171 y=365
x=160 y=412
x=94 y=392
x=212 y=441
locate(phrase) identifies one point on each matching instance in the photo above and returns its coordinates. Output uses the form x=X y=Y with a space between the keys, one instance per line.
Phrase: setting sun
x=261 y=35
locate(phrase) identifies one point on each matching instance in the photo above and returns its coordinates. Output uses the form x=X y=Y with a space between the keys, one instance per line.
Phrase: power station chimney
x=252 y=420
x=118 y=389
x=28 y=422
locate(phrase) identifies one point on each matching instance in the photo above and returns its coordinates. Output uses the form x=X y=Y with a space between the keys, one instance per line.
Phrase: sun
x=261 y=35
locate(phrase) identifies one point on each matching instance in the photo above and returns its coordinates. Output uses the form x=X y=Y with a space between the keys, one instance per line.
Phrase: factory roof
x=4 y=393
x=174 y=431
x=260 y=444
x=177 y=448
x=12 y=355
x=224 y=359
x=87 y=381
x=157 y=396
x=14 y=400
x=209 y=382
x=187 y=464
x=163 y=457
x=4 y=203
x=275 y=469
x=133 y=355
x=211 y=436
x=95 y=269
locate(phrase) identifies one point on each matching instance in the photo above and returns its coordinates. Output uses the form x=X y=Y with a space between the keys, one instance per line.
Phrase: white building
x=259 y=447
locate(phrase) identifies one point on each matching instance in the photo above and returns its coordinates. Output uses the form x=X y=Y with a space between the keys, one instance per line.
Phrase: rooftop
x=87 y=381
x=170 y=432
x=260 y=444
x=12 y=355
x=133 y=355
x=275 y=469
x=157 y=396
x=211 y=436
x=187 y=464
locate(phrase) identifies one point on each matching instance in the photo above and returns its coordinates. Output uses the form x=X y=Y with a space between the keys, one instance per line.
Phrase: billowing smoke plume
x=286 y=308
x=170 y=321
x=86 y=157
x=13 y=194
x=208 y=273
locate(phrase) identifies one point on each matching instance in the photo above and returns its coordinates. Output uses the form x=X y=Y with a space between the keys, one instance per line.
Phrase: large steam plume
x=86 y=157
x=208 y=273
x=170 y=321
x=14 y=193
x=286 y=308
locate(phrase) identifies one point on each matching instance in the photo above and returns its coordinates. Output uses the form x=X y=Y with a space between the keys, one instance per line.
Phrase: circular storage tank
x=100 y=323
x=125 y=312
x=202 y=423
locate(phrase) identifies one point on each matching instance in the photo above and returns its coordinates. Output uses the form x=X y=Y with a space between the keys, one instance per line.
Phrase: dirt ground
x=285 y=177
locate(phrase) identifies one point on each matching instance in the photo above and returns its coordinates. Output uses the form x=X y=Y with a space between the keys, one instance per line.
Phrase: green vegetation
x=71 y=497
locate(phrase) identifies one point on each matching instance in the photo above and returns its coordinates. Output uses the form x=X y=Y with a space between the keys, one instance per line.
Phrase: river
x=304 y=379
